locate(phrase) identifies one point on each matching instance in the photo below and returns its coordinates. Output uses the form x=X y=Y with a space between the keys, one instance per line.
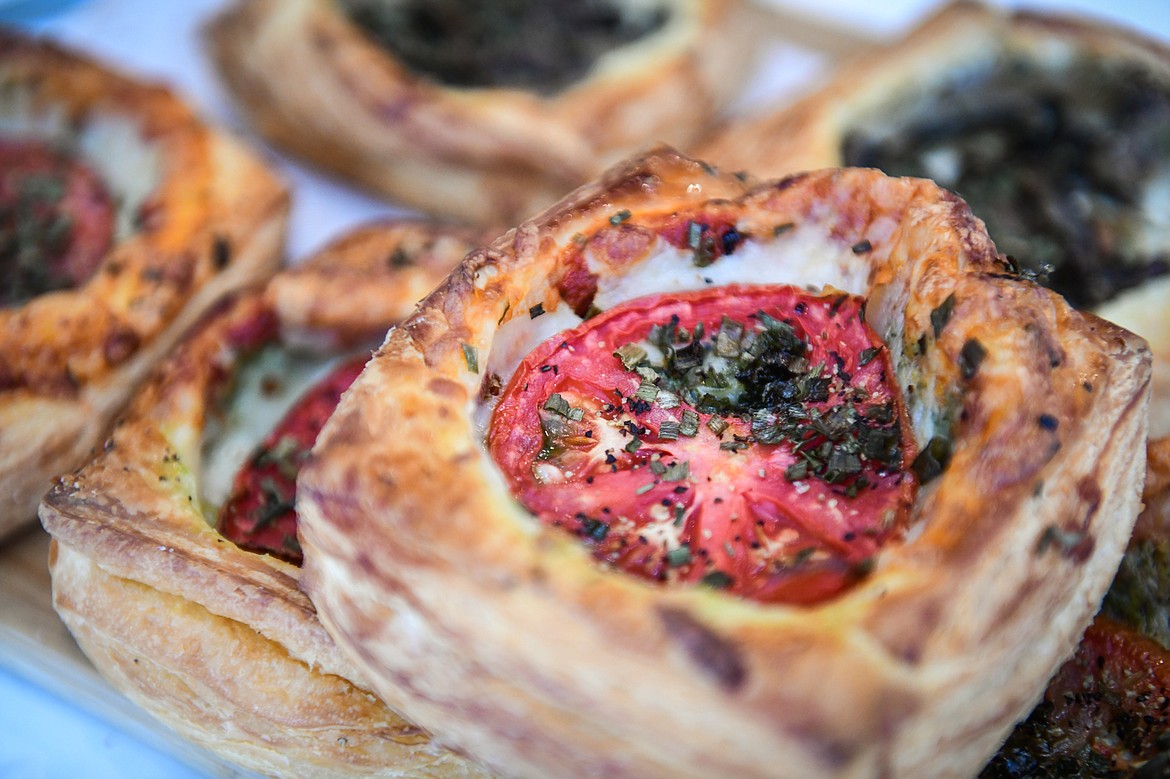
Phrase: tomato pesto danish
x=696 y=476
x=122 y=219
x=174 y=557
x=481 y=111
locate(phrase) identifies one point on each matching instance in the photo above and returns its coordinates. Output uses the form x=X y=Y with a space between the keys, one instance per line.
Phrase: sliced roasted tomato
x=1106 y=713
x=747 y=437
x=259 y=514
x=56 y=220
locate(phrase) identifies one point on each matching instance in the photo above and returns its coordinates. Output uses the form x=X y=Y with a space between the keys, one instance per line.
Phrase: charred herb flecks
x=746 y=438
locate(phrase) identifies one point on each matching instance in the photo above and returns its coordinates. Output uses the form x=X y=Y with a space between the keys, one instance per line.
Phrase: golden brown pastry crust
x=312 y=82
x=810 y=134
x=505 y=636
x=218 y=642
x=210 y=219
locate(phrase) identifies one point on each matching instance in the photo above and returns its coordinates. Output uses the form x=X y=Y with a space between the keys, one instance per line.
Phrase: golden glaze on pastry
x=196 y=217
x=1087 y=101
x=312 y=81
x=509 y=640
x=218 y=642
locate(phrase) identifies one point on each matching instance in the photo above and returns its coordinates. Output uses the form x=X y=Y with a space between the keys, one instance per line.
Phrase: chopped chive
x=644 y=489
x=668 y=430
x=941 y=315
x=970 y=358
x=667 y=399
x=630 y=355
x=536 y=311
x=717 y=580
x=620 y=217
x=689 y=425
x=717 y=425
x=647 y=390
x=558 y=405
x=677 y=471
x=867 y=355
x=678 y=556
x=797 y=471
x=634 y=445
x=471 y=357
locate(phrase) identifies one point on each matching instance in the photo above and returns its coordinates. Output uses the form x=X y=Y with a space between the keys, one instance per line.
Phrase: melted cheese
x=266 y=388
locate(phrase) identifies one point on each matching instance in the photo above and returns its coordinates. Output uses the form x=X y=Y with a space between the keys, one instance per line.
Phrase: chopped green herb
x=678 y=556
x=630 y=355
x=558 y=405
x=932 y=460
x=668 y=430
x=633 y=445
x=941 y=315
x=619 y=217
x=717 y=580
x=689 y=425
x=677 y=472
x=667 y=399
x=644 y=489
x=471 y=357
x=867 y=355
x=536 y=311
x=647 y=391
x=797 y=471
x=717 y=425
x=970 y=358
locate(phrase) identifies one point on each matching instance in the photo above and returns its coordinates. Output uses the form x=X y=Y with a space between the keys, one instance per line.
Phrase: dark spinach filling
x=539 y=46
x=1055 y=160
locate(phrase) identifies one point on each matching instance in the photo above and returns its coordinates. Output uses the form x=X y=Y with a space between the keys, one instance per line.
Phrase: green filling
x=543 y=47
x=1055 y=160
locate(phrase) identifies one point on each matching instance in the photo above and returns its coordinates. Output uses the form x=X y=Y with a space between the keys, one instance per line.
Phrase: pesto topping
x=539 y=46
x=758 y=371
x=1055 y=159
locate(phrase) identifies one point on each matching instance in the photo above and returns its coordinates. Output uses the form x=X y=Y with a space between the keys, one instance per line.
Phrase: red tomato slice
x=1105 y=713
x=745 y=437
x=259 y=514
x=56 y=220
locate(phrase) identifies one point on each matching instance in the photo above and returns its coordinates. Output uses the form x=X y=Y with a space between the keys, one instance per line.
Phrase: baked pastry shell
x=313 y=83
x=216 y=641
x=211 y=221
x=505 y=636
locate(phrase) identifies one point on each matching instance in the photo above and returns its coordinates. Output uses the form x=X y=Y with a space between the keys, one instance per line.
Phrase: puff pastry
x=572 y=87
x=123 y=219
x=215 y=640
x=1053 y=128
x=506 y=637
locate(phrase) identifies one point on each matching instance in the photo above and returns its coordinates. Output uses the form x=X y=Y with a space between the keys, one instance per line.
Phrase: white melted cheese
x=266 y=387
x=801 y=257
